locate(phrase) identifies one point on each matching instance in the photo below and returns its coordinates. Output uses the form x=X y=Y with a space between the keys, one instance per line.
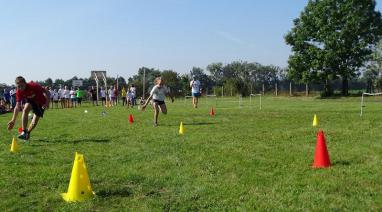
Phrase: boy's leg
x=26 y=110
x=163 y=108
x=33 y=123
x=156 y=113
x=196 y=101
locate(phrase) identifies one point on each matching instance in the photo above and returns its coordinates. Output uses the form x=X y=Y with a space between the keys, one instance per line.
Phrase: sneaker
x=24 y=136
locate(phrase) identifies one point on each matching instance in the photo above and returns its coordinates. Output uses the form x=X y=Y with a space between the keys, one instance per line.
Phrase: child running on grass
x=37 y=99
x=158 y=95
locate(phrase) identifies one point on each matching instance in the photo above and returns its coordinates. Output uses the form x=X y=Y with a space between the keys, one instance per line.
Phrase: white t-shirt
x=103 y=94
x=60 y=93
x=55 y=95
x=129 y=95
x=72 y=94
x=111 y=93
x=195 y=86
x=159 y=93
x=66 y=94
x=51 y=93
x=133 y=91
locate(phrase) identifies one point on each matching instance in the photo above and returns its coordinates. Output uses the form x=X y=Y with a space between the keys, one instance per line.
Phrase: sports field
x=241 y=159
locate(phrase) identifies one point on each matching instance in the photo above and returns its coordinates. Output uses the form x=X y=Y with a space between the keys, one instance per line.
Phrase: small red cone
x=212 y=112
x=321 y=157
x=20 y=130
x=131 y=119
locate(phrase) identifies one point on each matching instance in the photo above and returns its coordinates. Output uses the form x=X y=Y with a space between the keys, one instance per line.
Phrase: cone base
x=69 y=198
x=320 y=167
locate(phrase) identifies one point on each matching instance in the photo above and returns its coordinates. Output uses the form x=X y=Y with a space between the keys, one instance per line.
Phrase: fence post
x=290 y=88
x=276 y=89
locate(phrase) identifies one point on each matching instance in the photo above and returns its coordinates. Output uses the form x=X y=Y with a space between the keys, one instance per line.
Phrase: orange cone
x=212 y=112
x=321 y=157
x=131 y=119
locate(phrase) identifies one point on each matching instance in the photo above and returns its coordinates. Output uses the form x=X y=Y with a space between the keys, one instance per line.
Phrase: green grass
x=241 y=159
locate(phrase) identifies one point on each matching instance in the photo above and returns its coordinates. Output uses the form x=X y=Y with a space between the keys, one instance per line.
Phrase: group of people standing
x=65 y=97
x=110 y=96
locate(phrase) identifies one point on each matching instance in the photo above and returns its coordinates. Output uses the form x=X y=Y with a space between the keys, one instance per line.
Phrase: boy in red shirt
x=37 y=99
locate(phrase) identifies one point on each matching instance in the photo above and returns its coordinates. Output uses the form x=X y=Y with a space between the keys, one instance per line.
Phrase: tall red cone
x=131 y=119
x=212 y=112
x=321 y=157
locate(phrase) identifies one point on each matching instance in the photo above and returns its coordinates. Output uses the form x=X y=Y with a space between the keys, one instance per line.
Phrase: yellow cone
x=181 y=129
x=315 y=121
x=14 y=146
x=79 y=186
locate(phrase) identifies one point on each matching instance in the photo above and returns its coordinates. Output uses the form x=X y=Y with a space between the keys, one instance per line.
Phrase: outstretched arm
x=12 y=122
x=147 y=102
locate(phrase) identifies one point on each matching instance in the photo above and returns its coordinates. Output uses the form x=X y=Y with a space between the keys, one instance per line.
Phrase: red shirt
x=33 y=92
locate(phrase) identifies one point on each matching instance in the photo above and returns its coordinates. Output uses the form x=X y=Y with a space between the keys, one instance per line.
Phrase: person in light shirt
x=195 y=89
x=158 y=95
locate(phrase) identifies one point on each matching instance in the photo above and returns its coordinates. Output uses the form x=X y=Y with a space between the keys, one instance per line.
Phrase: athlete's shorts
x=196 y=94
x=159 y=102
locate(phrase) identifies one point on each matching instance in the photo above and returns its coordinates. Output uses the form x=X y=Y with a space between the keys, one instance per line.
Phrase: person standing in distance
x=195 y=89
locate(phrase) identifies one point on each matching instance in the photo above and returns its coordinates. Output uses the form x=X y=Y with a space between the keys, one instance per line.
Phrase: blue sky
x=61 y=39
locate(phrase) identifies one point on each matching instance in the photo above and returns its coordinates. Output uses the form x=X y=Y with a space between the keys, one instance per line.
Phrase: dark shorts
x=159 y=102
x=103 y=98
x=196 y=94
x=94 y=98
x=79 y=100
x=37 y=109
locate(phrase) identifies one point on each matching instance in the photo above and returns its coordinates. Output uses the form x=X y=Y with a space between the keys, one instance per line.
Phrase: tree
x=172 y=80
x=373 y=72
x=216 y=73
x=331 y=39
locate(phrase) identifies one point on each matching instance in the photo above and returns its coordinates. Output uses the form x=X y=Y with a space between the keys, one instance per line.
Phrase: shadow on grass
x=75 y=141
x=120 y=192
x=185 y=123
x=341 y=163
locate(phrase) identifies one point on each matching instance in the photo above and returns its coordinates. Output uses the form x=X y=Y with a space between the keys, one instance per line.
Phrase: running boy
x=37 y=99
x=158 y=95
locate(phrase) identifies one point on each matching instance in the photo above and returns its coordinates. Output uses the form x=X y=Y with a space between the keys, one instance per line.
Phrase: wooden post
x=263 y=89
x=277 y=93
x=290 y=88
x=306 y=89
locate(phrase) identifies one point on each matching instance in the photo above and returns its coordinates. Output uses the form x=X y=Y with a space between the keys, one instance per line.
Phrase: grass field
x=241 y=159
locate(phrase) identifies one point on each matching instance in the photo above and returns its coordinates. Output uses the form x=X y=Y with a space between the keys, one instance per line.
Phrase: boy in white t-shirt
x=66 y=97
x=111 y=95
x=158 y=95
x=61 y=96
x=195 y=89
x=103 y=96
x=55 y=98
x=73 y=97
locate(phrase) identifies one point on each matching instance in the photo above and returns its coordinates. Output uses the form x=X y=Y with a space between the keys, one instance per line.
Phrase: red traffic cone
x=131 y=119
x=212 y=112
x=321 y=157
x=20 y=130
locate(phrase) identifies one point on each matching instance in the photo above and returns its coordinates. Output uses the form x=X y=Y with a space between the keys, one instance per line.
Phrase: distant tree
x=373 y=72
x=333 y=38
x=216 y=73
